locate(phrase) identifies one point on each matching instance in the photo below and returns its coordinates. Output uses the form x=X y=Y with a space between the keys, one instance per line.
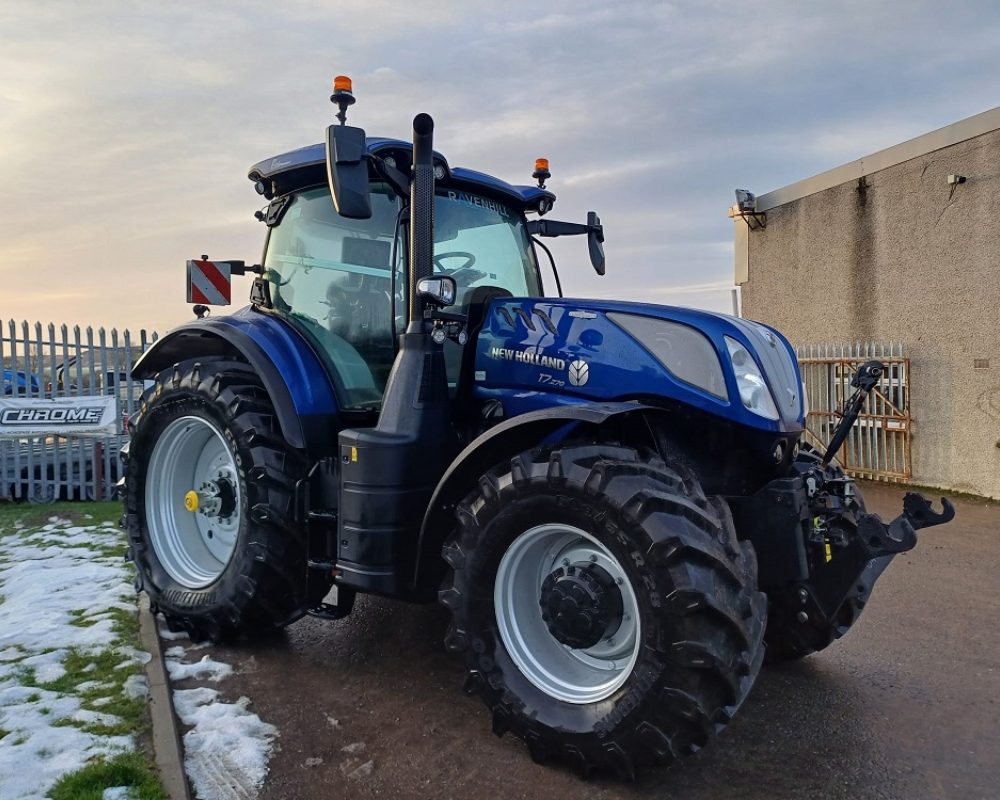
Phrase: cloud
x=126 y=130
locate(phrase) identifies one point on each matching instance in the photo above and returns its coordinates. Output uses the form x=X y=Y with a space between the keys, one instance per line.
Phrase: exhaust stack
x=388 y=473
x=421 y=213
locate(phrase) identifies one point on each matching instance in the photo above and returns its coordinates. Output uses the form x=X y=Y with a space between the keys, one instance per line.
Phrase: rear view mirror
x=595 y=241
x=593 y=229
x=347 y=171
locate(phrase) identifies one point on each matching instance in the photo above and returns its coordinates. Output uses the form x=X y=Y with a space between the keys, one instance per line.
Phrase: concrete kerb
x=167 y=748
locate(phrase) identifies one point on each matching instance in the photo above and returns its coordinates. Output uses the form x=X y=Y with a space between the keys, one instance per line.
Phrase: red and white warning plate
x=209 y=282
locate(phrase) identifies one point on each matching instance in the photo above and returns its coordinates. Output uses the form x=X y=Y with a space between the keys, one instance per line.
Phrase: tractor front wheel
x=209 y=503
x=606 y=611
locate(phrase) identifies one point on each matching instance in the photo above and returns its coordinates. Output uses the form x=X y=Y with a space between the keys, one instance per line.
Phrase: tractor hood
x=596 y=350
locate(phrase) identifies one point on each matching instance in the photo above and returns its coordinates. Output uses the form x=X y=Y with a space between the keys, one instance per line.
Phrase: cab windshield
x=481 y=242
x=342 y=282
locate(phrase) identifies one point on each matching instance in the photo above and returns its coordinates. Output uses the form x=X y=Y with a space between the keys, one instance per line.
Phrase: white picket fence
x=878 y=447
x=49 y=362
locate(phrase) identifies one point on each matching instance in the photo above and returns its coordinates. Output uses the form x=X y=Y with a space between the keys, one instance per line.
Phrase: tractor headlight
x=754 y=393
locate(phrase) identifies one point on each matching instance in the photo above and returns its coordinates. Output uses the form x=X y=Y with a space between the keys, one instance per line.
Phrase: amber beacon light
x=541 y=173
x=342 y=97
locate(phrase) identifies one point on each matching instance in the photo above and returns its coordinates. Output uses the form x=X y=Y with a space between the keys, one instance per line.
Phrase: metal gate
x=878 y=446
x=54 y=362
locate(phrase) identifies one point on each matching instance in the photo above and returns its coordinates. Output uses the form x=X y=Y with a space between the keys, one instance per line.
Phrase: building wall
x=900 y=256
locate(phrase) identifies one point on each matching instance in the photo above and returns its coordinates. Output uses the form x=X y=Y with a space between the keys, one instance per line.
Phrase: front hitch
x=837 y=591
x=878 y=539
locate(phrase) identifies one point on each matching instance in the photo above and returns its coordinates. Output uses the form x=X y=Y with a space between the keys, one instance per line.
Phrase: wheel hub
x=567 y=613
x=194 y=506
x=581 y=604
x=215 y=498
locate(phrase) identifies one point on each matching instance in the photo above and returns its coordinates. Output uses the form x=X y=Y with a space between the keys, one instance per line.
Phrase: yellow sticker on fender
x=354 y=454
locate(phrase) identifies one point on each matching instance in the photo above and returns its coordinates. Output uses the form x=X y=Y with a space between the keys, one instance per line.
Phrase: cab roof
x=306 y=166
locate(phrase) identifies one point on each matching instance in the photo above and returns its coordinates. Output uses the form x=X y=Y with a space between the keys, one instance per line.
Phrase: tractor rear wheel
x=209 y=503
x=606 y=611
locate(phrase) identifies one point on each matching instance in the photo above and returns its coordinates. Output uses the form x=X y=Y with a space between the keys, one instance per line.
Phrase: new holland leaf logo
x=579 y=372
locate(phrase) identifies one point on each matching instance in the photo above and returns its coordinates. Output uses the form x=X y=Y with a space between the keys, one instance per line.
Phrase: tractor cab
x=341 y=272
x=342 y=282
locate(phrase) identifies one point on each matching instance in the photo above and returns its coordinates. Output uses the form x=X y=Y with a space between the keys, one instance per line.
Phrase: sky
x=127 y=128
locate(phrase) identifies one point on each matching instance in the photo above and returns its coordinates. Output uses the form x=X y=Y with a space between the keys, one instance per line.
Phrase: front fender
x=505 y=440
x=291 y=372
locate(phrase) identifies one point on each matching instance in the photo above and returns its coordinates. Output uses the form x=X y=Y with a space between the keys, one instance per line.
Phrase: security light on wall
x=746 y=200
x=746 y=209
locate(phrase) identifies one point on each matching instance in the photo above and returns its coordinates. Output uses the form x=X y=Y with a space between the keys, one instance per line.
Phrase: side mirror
x=593 y=229
x=595 y=241
x=440 y=290
x=347 y=171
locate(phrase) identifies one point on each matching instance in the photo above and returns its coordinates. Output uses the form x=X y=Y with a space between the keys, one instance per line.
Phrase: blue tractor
x=612 y=500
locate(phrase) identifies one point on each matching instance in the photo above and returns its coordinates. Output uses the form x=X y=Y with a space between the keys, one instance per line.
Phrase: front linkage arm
x=864 y=381
x=826 y=604
x=874 y=536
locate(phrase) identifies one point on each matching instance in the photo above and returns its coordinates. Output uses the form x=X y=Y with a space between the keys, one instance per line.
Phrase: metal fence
x=66 y=362
x=878 y=447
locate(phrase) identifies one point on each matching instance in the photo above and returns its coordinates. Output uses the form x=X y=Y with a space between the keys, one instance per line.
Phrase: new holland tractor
x=612 y=500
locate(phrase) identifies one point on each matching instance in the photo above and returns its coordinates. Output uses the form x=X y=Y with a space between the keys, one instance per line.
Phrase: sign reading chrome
x=31 y=416
x=42 y=416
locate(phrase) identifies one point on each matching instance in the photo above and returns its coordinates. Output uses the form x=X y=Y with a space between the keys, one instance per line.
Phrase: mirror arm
x=593 y=229
x=396 y=179
x=551 y=228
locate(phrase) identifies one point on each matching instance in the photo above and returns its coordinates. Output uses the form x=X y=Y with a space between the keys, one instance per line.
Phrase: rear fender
x=291 y=372
x=505 y=440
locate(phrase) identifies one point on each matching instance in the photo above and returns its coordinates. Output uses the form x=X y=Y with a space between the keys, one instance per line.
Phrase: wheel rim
x=582 y=674
x=193 y=501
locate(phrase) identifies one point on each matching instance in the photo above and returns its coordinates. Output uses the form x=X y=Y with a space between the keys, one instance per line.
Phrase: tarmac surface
x=907 y=705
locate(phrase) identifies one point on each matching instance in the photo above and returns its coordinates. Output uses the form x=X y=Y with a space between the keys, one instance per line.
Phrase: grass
x=29 y=515
x=105 y=667
x=109 y=668
x=126 y=769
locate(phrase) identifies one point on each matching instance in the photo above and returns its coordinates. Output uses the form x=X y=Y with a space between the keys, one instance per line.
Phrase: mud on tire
x=701 y=619
x=262 y=586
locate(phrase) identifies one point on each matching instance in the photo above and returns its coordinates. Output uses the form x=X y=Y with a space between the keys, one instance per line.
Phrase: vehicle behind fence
x=878 y=447
x=43 y=363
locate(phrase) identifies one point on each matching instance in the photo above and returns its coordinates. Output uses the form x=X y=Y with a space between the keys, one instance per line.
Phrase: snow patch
x=135 y=686
x=11 y=654
x=88 y=717
x=171 y=636
x=51 y=581
x=228 y=746
x=214 y=671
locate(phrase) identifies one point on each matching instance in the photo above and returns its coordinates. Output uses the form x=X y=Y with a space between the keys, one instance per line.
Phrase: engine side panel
x=533 y=353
